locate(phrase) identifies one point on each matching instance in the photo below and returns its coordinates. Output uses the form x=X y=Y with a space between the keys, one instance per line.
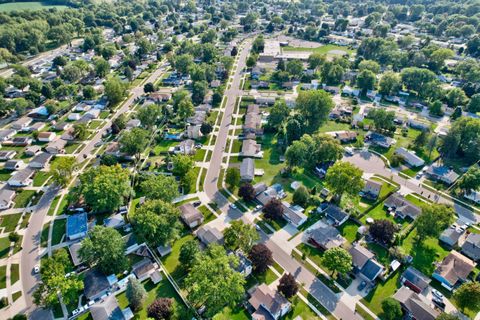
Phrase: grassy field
x=14 y=273
x=36 y=5
x=23 y=198
x=386 y=289
x=171 y=262
x=4 y=247
x=58 y=231
x=10 y=221
x=348 y=230
x=40 y=178
x=3 y=277
x=324 y=49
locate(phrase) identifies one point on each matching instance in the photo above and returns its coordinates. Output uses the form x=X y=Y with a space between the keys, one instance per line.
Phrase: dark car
x=362 y=285
x=197 y=203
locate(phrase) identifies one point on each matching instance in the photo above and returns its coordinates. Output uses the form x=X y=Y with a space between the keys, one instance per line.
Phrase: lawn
x=237 y=313
x=383 y=290
x=300 y=309
x=35 y=5
x=381 y=254
x=199 y=155
x=95 y=124
x=3 y=277
x=10 y=221
x=72 y=147
x=334 y=126
x=16 y=295
x=207 y=214
x=58 y=231
x=348 y=230
x=44 y=235
x=267 y=277
x=163 y=289
x=25 y=220
x=5 y=174
x=14 y=273
x=380 y=213
x=324 y=49
x=164 y=145
x=313 y=254
x=23 y=198
x=40 y=178
x=171 y=262
x=386 y=187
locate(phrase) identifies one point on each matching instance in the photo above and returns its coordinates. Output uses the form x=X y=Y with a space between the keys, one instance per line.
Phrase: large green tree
x=467 y=296
x=240 y=235
x=62 y=170
x=433 y=220
x=314 y=106
x=392 y=309
x=133 y=142
x=344 y=178
x=115 y=90
x=337 y=260
x=135 y=293
x=160 y=187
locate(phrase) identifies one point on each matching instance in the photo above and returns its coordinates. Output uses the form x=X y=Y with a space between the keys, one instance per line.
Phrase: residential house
x=74 y=116
x=262 y=100
x=6 y=198
x=253 y=121
x=114 y=221
x=414 y=305
x=379 y=139
x=275 y=191
x=185 y=147
x=402 y=207
x=61 y=126
x=14 y=164
x=108 y=309
x=245 y=266
x=56 y=147
x=193 y=131
x=95 y=284
x=372 y=189
x=46 y=136
x=346 y=136
x=190 y=215
x=74 y=249
x=250 y=148
x=7 y=134
x=442 y=173
x=471 y=246
x=473 y=195
x=453 y=270
x=76 y=226
x=293 y=214
x=18 y=142
x=22 y=124
x=198 y=118
x=415 y=280
x=32 y=150
x=364 y=263
x=40 y=161
x=451 y=235
x=247 y=169
x=268 y=304
x=21 y=178
x=159 y=97
x=335 y=215
x=145 y=269
x=208 y=234
x=133 y=123
x=325 y=237
x=410 y=157
x=7 y=155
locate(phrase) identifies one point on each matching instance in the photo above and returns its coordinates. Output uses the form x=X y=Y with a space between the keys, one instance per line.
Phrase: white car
x=36 y=269
x=233 y=206
x=437 y=294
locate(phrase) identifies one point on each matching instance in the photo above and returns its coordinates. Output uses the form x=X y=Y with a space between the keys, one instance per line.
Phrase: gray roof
x=326 y=236
x=249 y=147
x=189 y=213
x=471 y=246
x=95 y=282
x=107 y=309
x=265 y=297
x=6 y=195
x=416 y=278
x=442 y=173
x=208 y=234
x=402 y=206
x=42 y=158
x=360 y=255
x=247 y=169
x=336 y=213
x=417 y=307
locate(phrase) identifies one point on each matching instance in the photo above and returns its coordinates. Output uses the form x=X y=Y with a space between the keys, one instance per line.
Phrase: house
x=364 y=263
x=159 y=97
x=415 y=280
x=414 y=305
x=250 y=148
x=441 y=173
x=21 y=178
x=262 y=100
x=146 y=269
x=335 y=215
x=32 y=150
x=18 y=142
x=259 y=187
x=473 y=195
x=275 y=191
x=74 y=116
x=76 y=227
x=74 y=249
x=14 y=164
x=108 y=309
x=268 y=303
x=56 y=147
x=193 y=131
x=185 y=147
x=130 y=243
x=346 y=136
x=325 y=237
x=7 y=134
x=379 y=139
x=410 y=157
x=245 y=266
x=7 y=155
x=253 y=121
x=247 y=169
x=293 y=214
x=46 y=136
x=197 y=118
x=471 y=246
x=95 y=284
x=402 y=207
x=114 y=221
x=190 y=215
x=61 y=126
x=40 y=161
x=372 y=189
x=451 y=235
x=208 y=234
x=6 y=198
x=453 y=270
x=22 y=124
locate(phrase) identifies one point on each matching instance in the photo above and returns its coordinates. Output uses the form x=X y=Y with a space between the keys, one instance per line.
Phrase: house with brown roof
x=268 y=304
x=208 y=234
x=346 y=136
x=250 y=148
x=453 y=270
x=414 y=305
x=402 y=207
x=190 y=215
x=325 y=237
x=46 y=136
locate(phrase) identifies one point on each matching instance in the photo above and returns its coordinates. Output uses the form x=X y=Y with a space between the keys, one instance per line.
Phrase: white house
x=410 y=157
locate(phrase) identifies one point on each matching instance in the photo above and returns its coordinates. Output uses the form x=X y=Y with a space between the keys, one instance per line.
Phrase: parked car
x=197 y=203
x=36 y=269
x=233 y=206
x=437 y=294
x=362 y=285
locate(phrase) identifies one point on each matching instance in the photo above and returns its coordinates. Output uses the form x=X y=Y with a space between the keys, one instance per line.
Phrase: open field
x=35 y=5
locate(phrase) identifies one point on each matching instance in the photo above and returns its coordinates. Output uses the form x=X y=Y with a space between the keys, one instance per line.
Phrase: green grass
x=171 y=262
x=71 y=147
x=267 y=277
x=14 y=273
x=4 y=247
x=381 y=254
x=10 y=221
x=35 y=5
x=348 y=230
x=373 y=300
x=365 y=315
x=237 y=313
x=162 y=289
x=94 y=124
x=25 y=220
x=164 y=145
x=5 y=174
x=44 y=235
x=386 y=189
x=40 y=178
x=16 y=295
x=324 y=49
x=300 y=309
x=23 y=198
x=18 y=245
x=58 y=231
x=199 y=155
x=207 y=214
x=3 y=277
x=334 y=126
x=380 y=213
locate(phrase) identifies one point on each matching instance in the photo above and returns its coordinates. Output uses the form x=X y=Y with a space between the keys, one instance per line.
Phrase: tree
x=433 y=220
x=199 y=90
x=314 y=106
x=160 y=187
x=301 y=196
x=463 y=139
x=474 y=104
x=149 y=115
x=102 y=67
x=185 y=109
x=161 y=308
x=456 y=97
x=470 y=181
x=337 y=260
x=383 y=231
x=62 y=170
x=435 y=108
x=213 y=282
x=261 y=258
x=390 y=83
x=247 y=192
x=278 y=115
x=105 y=249
x=370 y=65
x=115 y=90
x=392 y=309
x=366 y=80
x=206 y=128
x=468 y=296
x=54 y=282
x=135 y=293
x=273 y=210
x=189 y=252
x=287 y=285
x=232 y=177
x=157 y=222
x=104 y=188
x=119 y=123
x=240 y=235
x=295 y=68
x=134 y=142
x=382 y=119
x=149 y=87
x=344 y=178
x=80 y=131
x=183 y=63
x=88 y=92
x=316 y=60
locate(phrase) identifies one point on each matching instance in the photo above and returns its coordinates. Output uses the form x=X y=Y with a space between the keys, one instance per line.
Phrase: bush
x=160 y=309
x=13 y=237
